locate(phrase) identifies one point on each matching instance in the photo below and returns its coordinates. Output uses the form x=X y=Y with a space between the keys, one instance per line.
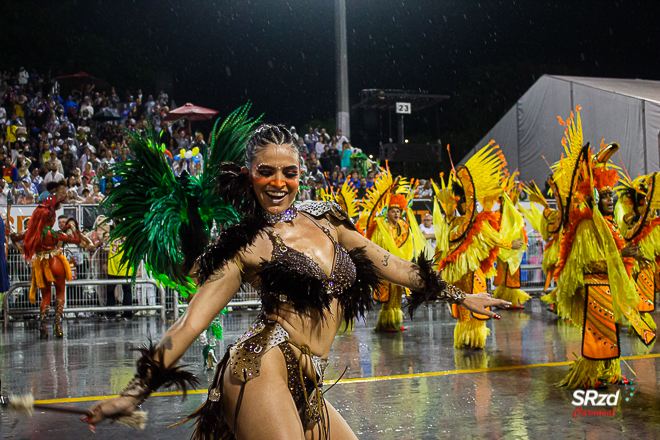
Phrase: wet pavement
x=397 y=386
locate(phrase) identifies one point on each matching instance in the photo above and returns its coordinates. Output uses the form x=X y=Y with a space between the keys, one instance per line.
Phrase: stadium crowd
x=52 y=143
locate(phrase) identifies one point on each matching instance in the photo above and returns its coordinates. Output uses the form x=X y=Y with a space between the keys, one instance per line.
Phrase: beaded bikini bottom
x=243 y=360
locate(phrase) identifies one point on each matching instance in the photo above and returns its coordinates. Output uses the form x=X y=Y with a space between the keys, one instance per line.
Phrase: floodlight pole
x=341 y=54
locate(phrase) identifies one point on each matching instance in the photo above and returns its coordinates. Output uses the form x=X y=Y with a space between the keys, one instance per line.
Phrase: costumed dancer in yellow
x=548 y=223
x=594 y=287
x=467 y=257
x=512 y=227
x=389 y=222
x=636 y=215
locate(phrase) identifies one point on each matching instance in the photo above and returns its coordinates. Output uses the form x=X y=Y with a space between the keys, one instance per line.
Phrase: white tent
x=626 y=111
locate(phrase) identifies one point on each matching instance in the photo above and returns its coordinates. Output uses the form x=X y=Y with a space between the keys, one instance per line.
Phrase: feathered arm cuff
x=434 y=288
x=152 y=374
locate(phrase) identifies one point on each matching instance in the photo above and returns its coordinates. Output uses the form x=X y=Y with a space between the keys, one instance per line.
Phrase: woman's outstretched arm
x=404 y=273
x=207 y=303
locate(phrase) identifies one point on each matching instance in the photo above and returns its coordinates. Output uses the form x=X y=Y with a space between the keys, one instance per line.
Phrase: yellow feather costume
x=512 y=227
x=548 y=223
x=467 y=257
x=403 y=239
x=636 y=216
x=594 y=289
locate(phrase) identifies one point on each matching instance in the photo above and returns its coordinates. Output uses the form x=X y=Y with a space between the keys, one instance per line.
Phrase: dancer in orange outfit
x=49 y=266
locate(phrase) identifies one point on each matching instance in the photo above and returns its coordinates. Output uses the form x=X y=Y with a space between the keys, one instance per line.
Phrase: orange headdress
x=398 y=201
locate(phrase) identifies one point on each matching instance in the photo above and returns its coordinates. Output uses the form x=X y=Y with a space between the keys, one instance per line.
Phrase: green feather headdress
x=167 y=220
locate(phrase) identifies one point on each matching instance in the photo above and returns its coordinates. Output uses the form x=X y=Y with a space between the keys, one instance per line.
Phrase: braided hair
x=264 y=135
x=233 y=183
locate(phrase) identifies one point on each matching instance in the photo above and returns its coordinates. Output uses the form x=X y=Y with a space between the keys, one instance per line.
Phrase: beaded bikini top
x=292 y=277
x=343 y=272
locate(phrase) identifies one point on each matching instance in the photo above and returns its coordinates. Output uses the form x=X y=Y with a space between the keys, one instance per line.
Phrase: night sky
x=281 y=54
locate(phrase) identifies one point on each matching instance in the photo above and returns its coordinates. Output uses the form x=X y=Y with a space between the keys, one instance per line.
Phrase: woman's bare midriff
x=317 y=334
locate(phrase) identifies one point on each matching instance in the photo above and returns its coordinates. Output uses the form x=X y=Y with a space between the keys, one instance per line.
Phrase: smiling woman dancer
x=312 y=269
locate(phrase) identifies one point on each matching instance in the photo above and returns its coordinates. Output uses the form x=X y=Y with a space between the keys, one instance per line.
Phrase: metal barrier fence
x=68 y=309
x=88 y=293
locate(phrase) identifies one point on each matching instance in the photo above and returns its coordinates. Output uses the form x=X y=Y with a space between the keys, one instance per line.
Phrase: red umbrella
x=81 y=79
x=191 y=113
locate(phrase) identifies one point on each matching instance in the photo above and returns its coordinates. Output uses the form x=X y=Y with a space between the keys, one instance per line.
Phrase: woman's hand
x=110 y=409
x=478 y=303
x=516 y=244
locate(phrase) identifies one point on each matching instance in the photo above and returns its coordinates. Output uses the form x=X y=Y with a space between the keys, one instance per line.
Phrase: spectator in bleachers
x=23 y=165
x=23 y=76
x=68 y=157
x=310 y=140
x=54 y=161
x=4 y=193
x=312 y=162
x=97 y=195
x=182 y=141
x=84 y=185
x=319 y=146
x=199 y=143
x=426 y=228
x=37 y=180
x=89 y=171
x=50 y=188
x=326 y=164
x=362 y=188
x=345 y=157
x=341 y=178
x=341 y=138
x=354 y=178
x=424 y=189
x=54 y=175
x=84 y=153
x=370 y=179
x=333 y=179
x=334 y=160
x=23 y=191
x=9 y=172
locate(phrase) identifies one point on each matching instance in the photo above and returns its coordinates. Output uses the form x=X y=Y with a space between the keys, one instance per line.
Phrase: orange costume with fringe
x=594 y=286
x=49 y=266
x=42 y=268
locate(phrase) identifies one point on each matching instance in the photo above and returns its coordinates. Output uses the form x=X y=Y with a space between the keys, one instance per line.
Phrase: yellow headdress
x=480 y=179
x=377 y=199
x=638 y=199
x=346 y=197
